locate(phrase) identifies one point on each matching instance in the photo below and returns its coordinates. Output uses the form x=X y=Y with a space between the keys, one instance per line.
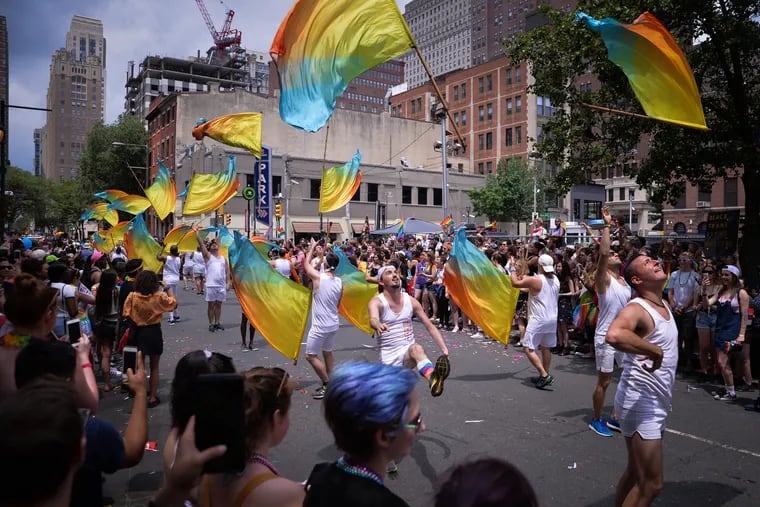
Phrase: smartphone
x=74 y=330
x=220 y=419
x=130 y=358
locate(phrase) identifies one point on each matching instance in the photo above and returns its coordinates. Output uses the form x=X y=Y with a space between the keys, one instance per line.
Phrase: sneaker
x=477 y=335
x=176 y=318
x=211 y=328
x=319 y=393
x=598 y=427
x=455 y=330
x=754 y=406
x=440 y=373
x=392 y=468
x=725 y=397
x=172 y=322
x=614 y=425
x=243 y=348
x=219 y=327
x=535 y=380
x=544 y=382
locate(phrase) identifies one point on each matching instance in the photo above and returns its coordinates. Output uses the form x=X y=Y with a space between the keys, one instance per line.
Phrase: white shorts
x=319 y=340
x=396 y=356
x=187 y=270
x=199 y=272
x=606 y=357
x=647 y=424
x=216 y=294
x=533 y=340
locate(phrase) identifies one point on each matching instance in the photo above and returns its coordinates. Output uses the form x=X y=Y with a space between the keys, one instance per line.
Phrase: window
x=314 y=186
x=704 y=193
x=480 y=85
x=508 y=136
x=456 y=118
x=464 y=118
x=276 y=185
x=437 y=197
x=518 y=74
x=422 y=195
x=508 y=72
x=489 y=140
x=481 y=113
x=592 y=210
x=480 y=142
x=489 y=167
x=730 y=191
x=464 y=90
x=518 y=135
x=414 y=107
x=357 y=195
x=489 y=111
x=372 y=189
x=456 y=92
x=419 y=104
x=509 y=107
x=489 y=82
x=406 y=195
x=621 y=194
x=480 y=167
x=610 y=195
x=518 y=104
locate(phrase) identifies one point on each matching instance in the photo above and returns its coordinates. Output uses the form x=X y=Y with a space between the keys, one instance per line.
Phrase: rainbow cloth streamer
x=267 y=298
x=183 y=236
x=207 y=192
x=655 y=66
x=484 y=293
x=357 y=293
x=339 y=184
x=447 y=223
x=322 y=45
x=101 y=211
x=162 y=194
x=106 y=240
x=110 y=195
x=129 y=203
x=242 y=130
x=141 y=245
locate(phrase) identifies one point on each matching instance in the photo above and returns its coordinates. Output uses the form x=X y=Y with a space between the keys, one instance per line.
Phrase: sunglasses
x=708 y=272
x=414 y=425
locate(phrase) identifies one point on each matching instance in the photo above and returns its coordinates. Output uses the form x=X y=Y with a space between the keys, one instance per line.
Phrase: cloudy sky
x=133 y=29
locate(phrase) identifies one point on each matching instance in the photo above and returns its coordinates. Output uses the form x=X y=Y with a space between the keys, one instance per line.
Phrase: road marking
x=713 y=442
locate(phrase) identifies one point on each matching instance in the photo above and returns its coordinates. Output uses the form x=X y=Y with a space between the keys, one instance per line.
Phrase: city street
x=489 y=407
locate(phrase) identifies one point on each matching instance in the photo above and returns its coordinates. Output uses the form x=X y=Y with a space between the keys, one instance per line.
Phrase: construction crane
x=224 y=39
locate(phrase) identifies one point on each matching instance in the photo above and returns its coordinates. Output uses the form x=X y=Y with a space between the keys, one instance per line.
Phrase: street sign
x=262 y=171
x=545 y=215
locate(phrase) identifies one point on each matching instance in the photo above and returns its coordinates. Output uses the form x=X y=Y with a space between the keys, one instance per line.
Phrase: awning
x=313 y=227
x=359 y=227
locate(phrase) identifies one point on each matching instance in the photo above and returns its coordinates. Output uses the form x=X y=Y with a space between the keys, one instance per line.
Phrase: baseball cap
x=51 y=258
x=547 y=263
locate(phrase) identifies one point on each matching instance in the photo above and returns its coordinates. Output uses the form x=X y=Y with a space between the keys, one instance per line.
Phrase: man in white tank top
x=645 y=330
x=218 y=280
x=613 y=295
x=390 y=315
x=326 y=291
x=543 y=306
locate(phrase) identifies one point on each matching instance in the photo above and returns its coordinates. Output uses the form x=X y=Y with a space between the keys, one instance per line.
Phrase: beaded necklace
x=262 y=460
x=358 y=470
x=14 y=341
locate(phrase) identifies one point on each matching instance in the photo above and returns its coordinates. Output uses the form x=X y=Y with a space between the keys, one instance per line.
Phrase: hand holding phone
x=130 y=358
x=74 y=331
x=138 y=379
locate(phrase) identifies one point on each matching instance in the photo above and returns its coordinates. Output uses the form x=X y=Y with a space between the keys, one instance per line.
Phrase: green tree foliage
x=28 y=203
x=104 y=166
x=722 y=43
x=507 y=196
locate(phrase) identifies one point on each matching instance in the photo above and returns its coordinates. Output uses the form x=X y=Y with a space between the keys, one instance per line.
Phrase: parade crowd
x=649 y=308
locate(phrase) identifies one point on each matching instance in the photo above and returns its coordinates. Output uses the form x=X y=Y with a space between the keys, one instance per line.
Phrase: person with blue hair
x=374 y=414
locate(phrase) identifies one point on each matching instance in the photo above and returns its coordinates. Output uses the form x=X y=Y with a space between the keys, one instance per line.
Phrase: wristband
x=86 y=365
x=608 y=226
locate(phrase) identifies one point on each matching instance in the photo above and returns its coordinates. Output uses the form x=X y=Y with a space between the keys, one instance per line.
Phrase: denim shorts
x=706 y=320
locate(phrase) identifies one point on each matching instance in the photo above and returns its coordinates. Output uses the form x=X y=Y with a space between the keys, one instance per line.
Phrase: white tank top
x=400 y=332
x=216 y=272
x=189 y=259
x=610 y=303
x=171 y=269
x=542 y=308
x=324 y=306
x=282 y=266
x=644 y=391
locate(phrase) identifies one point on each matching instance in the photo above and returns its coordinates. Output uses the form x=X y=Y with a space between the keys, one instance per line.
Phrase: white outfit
x=643 y=399
x=62 y=314
x=324 y=314
x=199 y=265
x=187 y=268
x=171 y=278
x=283 y=266
x=610 y=303
x=396 y=340
x=542 y=315
x=216 y=279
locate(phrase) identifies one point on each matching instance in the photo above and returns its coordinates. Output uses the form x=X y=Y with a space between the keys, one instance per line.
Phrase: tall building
x=442 y=30
x=39 y=135
x=76 y=97
x=4 y=68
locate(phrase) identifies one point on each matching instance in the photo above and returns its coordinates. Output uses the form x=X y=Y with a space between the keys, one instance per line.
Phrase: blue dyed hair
x=362 y=398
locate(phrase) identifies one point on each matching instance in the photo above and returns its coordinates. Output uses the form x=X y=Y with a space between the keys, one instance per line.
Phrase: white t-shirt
x=68 y=292
x=171 y=269
x=684 y=285
x=216 y=272
x=199 y=264
x=189 y=260
x=283 y=266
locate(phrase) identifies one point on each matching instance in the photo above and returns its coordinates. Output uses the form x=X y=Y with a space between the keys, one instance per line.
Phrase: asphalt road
x=489 y=407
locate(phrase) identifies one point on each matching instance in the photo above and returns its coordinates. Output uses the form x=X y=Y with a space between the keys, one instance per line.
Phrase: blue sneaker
x=598 y=427
x=614 y=425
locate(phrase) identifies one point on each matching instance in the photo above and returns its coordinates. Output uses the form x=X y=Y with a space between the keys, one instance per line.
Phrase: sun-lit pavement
x=489 y=407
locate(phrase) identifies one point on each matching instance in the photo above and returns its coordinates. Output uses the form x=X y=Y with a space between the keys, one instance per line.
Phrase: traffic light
x=278 y=210
x=220 y=212
x=227 y=218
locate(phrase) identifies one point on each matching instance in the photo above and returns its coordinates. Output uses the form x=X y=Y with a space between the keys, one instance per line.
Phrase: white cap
x=733 y=270
x=547 y=263
x=383 y=270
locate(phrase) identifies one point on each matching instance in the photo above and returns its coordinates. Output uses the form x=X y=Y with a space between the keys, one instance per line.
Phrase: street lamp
x=631 y=192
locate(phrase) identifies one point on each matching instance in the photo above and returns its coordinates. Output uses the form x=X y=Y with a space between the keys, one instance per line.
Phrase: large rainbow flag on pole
x=242 y=130
x=339 y=184
x=357 y=293
x=207 y=192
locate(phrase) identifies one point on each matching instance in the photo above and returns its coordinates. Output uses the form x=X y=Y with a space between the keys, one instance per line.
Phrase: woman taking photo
x=145 y=307
x=731 y=303
x=105 y=318
x=567 y=293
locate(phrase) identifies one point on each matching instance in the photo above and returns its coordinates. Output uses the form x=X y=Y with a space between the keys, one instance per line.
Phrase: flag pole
x=616 y=111
x=324 y=163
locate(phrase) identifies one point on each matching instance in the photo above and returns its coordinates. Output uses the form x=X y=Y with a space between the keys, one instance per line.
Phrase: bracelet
x=86 y=365
x=608 y=226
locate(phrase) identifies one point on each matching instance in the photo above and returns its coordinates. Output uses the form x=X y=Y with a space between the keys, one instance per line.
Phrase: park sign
x=263 y=174
x=722 y=233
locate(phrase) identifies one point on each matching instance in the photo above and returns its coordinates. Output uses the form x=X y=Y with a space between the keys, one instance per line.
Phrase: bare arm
x=625 y=334
x=308 y=268
x=374 y=316
x=431 y=329
x=744 y=309
x=84 y=378
x=201 y=243
x=602 y=278
x=136 y=433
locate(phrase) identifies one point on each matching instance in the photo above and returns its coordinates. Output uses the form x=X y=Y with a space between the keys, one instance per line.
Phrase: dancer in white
x=613 y=294
x=390 y=315
x=187 y=269
x=327 y=290
x=172 y=267
x=218 y=280
x=646 y=331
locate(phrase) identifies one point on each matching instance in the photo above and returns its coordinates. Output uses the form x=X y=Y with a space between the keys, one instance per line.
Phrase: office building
x=38 y=137
x=4 y=63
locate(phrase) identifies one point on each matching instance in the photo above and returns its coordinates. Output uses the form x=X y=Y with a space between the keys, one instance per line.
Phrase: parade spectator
x=486 y=482
x=567 y=294
x=35 y=267
x=105 y=320
x=683 y=297
x=705 y=323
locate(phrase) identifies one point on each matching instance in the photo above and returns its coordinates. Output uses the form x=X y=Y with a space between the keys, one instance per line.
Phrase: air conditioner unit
x=703 y=204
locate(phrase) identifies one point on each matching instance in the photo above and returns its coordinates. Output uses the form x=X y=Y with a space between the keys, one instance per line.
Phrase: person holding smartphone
x=145 y=307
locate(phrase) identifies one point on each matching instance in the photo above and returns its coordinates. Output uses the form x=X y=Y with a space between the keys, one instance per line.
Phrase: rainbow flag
x=242 y=130
x=339 y=184
x=280 y=233
x=655 y=66
x=129 y=203
x=484 y=293
x=207 y=192
x=183 y=236
x=100 y=211
x=110 y=195
x=357 y=293
x=400 y=233
x=141 y=245
x=162 y=194
x=490 y=226
x=276 y=306
x=447 y=224
x=322 y=45
x=106 y=240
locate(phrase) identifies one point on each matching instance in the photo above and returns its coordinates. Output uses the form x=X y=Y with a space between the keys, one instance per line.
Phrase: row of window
x=485 y=141
x=372 y=193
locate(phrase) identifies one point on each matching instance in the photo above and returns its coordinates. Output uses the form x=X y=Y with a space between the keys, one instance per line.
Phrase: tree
x=507 y=196
x=722 y=43
x=28 y=198
x=104 y=166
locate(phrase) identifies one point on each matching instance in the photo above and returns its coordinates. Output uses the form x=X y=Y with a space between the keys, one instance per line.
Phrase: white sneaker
x=455 y=330
x=477 y=335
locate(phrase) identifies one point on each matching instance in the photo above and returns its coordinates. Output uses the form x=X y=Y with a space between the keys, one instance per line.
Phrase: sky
x=133 y=30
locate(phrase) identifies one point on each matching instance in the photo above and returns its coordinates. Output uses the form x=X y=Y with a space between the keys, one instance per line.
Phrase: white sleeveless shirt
x=324 y=307
x=542 y=308
x=171 y=269
x=283 y=266
x=610 y=303
x=650 y=392
x=400 y=333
